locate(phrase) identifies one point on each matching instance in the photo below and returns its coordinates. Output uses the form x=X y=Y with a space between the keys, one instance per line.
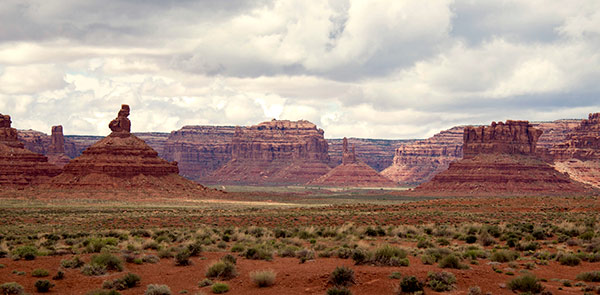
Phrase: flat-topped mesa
x=352 y=173
x=199 y=150
x=501 y=161
x=56 y=151
x=9 y=135
x=275 y=152
x=18 y=166
x=512 y=137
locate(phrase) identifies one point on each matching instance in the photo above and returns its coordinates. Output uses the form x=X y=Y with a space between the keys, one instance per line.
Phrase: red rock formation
x=199 y=150
x=352 y=173
x=377 y=153
x=579 y=154
x=265 y=153
x=56 y=151
x=122 y=160
x=19 y=166
x=501 y=159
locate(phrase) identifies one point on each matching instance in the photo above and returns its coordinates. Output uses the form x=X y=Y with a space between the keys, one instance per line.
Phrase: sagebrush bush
x=205 y=282
x=451 y=261
x=182 y=258
x=342 y=276
x=103 y=292
x=39 y=273
x=504 y=256
x=25 y=252
x=221 y=270
x=43 y=286
x=569 y=259
x=130 y=280
x=109 y=261
x=153 y=289
x=337 y=290
x=74 y=262
x=258 y=253
x=11 y=288
x=410 y=284
x=263 y=278
x=93 y=270
x=219 y=288
x=526 y=283
x=591 y=276
x=441 y=281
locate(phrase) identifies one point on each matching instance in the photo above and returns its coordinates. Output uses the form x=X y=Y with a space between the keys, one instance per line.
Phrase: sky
x=374 y=69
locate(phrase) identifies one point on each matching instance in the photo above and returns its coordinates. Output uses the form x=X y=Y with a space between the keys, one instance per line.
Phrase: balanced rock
x=501 y=159
x=579 y=154
x=275 y=152
x=352 y=173
x=121 y=160
x=19 y=166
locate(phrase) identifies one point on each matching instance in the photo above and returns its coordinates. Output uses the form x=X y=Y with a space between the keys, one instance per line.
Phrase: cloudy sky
x=379 y=69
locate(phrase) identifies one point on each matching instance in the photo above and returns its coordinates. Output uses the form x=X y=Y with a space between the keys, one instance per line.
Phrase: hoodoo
x=501 y=159
x=579 y=154
x=121 y=160
x=56 y=152
x=275 y=152
x=19 y=166
x=352 y=172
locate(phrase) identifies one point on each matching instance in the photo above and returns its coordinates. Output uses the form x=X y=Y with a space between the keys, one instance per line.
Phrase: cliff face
x=263 y=153
x=419 y=161
x=19 y=166
x=199 y=150
x=352 y=173
x=377 y=153
x=579 y=154
x=501 y=159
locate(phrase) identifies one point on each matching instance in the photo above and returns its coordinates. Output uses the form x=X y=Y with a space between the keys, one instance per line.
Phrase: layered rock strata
x=56 y=151
x=19 y=166
x=199 y=150
x=501 y=159
x=377 y=153
x=275 y=152
x=352 y=173
x=121 y=160
x=579 y=154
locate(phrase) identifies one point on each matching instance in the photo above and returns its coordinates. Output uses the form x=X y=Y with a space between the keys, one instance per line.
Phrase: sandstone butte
x=122 y=160
x=352 y=173
x=275 y=152
x=19 y=166
x=417 y=162
x=377 y=153
x=501 y=159
x=579 y=154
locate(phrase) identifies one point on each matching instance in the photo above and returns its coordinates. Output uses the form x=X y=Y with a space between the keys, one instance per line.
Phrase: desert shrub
x=219 y=288
x=25 y=252
x=150 y=258
x=527 y=246
x=451 y=261
x=111 y=262
x=395 y=275
x=587 y=236
x=344 y=253
x=238 y=248
x=93 y=270
x=342 y=276
x=229 y=258
x=39 y=273
x=59 y=275
x=130 y=280
x=569 y=259
x=165 y=253
x=43 y=286
x=11 y=288
x=360 y=256
x=153 y=289
x=390 y=255
x=74 y=262
x=475 y=253
x=443 y=242
x=337 y=290
x=288 y=251
x=95 y=245
x=103 y=292
x=471 y=239
x=591 y=276
x=410 y=284
x=305 y=255
x=263 y=278
x=526 y=283
x=424 y=243
x=504 y=256
x=475 y=290
x=441 y=281
x=221 y=270
x=195 y=248
x=183 y=258
x=205 y=282
x=258 y=253
x=486 y=239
